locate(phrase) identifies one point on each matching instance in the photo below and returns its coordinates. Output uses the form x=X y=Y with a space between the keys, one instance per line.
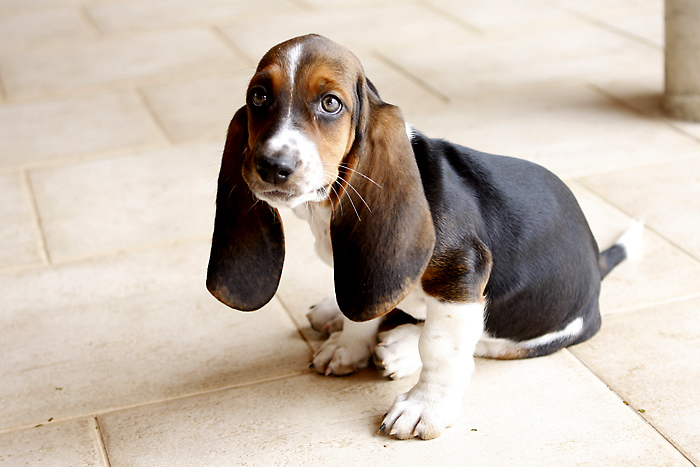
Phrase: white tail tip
x=633 y=240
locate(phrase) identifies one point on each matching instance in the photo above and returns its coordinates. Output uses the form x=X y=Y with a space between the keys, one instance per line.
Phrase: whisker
x=353 y=189
x=358 y=194
x=349 y=197
x=354 y=208
x=351 y=202
x=337 y=196
x=343 y=166
x=257 y=200
x=230 y=193
x=332 y=189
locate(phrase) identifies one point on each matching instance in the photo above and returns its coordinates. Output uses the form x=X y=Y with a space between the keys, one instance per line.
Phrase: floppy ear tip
x=218 y=292
x=370 y=302
x=223 y=293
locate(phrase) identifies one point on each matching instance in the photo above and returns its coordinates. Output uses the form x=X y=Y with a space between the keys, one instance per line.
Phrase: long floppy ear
x=381 y=230
x=247 y=249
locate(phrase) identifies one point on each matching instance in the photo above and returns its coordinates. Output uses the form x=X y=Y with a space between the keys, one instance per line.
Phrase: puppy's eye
x=331 y=104
x=258 y=97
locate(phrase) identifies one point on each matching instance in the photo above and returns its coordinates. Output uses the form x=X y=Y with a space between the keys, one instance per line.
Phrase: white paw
x=396 y=354
x=424 y=411
x=325 y=316
x=341 y=356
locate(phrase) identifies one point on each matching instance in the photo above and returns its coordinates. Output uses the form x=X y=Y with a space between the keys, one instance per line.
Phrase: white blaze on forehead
x=293 y=58
x=288 y=136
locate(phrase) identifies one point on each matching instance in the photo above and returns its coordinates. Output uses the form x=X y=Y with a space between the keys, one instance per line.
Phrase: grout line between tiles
x=647 y=306
x=635 y=410
x=631 y=216
x=621 y=103
x=579 y=176
x=99 y=441
x=99 y=413
x=85 y=157
x=117 y=152
x=43 y=246
x=121 y=84
x=451 y=18
x=90 y=22
x=296 y=325
x=162 y=132
x=232 y=45
x=302 y=5
x=662 y=117
x=411 y=77
x=602 y=24
x=105 y=254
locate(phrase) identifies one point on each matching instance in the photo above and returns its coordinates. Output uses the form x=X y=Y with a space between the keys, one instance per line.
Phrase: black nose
x=277 y=169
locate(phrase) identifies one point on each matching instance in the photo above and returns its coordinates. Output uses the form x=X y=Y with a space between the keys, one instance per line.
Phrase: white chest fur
x=319 y=218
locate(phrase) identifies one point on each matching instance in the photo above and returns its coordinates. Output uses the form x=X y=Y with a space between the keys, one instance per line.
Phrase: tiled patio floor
x=112 y=121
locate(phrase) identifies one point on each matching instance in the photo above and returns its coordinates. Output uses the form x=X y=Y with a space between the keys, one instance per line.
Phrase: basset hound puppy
x=491 y=253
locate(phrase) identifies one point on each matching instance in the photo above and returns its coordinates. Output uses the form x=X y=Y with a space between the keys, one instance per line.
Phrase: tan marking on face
x=272 y=78
x=333 y=135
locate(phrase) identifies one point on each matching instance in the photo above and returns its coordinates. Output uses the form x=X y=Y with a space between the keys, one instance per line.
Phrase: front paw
x=325 y=316
x=338 y=356
x=424 y=411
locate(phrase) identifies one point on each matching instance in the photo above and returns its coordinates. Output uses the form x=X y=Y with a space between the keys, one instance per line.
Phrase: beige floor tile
x=399 y=88
x=667 y=196
x=20 y=239
x=31 y=133
x=356 y=28
x=113 y=16
x=18 y=5
x=61 y=67
x=333 y=421
x=645 y=94
x=487 y=67
x=505 y=15
x=21 y=30
x=200 y=108
x=597 y=8
x=332 y=4
x=128 y=330
x=297 y=419
x=641 y=93
x=690 y=128
x=122 y=202
x=650 y=357
x=69 y=443
x=664 y=272
x=647 y=26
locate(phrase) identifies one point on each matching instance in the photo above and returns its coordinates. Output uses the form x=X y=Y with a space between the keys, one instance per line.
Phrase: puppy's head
x=303 y=107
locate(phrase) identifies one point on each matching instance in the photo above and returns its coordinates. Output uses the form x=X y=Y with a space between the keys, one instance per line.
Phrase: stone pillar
x=682 y=98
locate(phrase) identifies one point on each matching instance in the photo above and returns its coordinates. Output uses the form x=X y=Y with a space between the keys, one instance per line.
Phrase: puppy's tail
x=629 y=245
